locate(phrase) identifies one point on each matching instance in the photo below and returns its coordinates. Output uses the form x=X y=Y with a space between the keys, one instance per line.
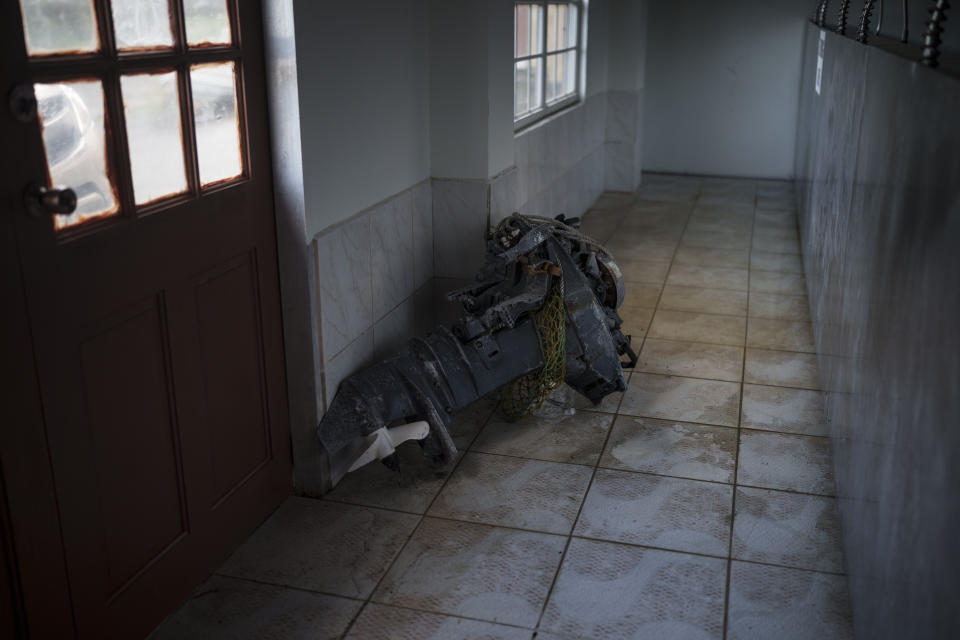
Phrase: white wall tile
x=392 y=252
x=355 y=357
x=504 y=194
x=392 y=332
x=346 y=298
x=422 y=233
x=460 y=213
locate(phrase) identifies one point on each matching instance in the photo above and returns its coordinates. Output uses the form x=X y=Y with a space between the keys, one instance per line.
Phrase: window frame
x=547 y=109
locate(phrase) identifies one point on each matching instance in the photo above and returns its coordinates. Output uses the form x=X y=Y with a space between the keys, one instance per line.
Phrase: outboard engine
x=543 y=311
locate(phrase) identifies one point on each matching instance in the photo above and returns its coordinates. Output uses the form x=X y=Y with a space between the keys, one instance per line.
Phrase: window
x=137 y=101
x=546 y=58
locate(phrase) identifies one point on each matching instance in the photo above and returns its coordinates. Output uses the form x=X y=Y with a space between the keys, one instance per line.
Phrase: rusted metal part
x=494 y=343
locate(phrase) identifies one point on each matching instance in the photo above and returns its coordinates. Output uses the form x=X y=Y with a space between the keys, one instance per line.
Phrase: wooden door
x=154 y=307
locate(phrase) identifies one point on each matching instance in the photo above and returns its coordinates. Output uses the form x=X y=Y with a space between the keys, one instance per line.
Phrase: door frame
x=27 y=484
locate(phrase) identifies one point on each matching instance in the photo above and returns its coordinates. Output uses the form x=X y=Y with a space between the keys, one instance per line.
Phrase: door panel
x=228 y=310
x=143 y=507
x=156 y=330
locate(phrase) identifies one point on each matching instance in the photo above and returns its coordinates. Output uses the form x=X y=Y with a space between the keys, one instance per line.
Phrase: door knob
x=40 y=200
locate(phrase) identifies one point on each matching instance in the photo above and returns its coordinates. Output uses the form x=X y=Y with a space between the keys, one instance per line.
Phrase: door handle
x=40 y=200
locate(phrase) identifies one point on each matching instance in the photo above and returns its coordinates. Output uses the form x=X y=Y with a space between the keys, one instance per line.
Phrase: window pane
x=570 y=30
x=59 y=26
x=520 y=90
x=552 y=27
x=152 y=110
x=217 y=124
x=533 y=84
x=570 y=72
x=207 y=22
x=521 y=30
x=553 y=65
x=141 y=24
x=536 y=29
x=74 y=140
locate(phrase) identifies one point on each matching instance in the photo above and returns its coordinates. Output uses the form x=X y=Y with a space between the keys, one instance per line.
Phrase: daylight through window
x=546 y=58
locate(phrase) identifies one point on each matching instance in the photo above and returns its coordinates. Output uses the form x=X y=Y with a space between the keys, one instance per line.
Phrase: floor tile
x=670 y=513
x=474 y=570
x=787 y=604
x=322 y=546
x=609 y=404
x=781 y=368
x=776 y=242
x=412 y=488
x=644 y=271
x=784 y=409
x=782 y=262
x=715 y=240
x=691 y=359
x=613 y=199
x=576 y=438
x=683 y=399
x=698 y=327
x=612 y=591
x=514 y=492
x=642 y=295
x=779 y=306
x=382 y=622
x=636 y=320
x=224 y=607
x=671 y=448
x=787 y=335
x=633 y=245
x=790 y=529
x=773 y=282
x=783 y=461
x=694 y=275
x=467 y=424
x=777 y=212
x=704 y=300
x=710 y=257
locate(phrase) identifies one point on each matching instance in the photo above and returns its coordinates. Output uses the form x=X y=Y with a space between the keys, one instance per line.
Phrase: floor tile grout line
x=736 y=457
x=416 y=528
x=573 y=526
x=602 y=467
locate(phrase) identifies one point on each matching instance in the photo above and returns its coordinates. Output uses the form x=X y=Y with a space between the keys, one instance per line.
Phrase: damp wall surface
x=878 y=162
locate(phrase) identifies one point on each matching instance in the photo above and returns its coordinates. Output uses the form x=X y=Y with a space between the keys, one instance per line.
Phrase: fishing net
x=526 y=394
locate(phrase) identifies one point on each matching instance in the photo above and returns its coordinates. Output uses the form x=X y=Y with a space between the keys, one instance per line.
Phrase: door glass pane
x=74 y=139
x=207 y=22
x=151 y=107
x=217 y=123
x=59 y=26
x=142 y=24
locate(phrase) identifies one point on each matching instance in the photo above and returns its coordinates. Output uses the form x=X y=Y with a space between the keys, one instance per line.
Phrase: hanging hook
x=842 y=17
x=906 y=21
x=864 y=27
x=931 y=39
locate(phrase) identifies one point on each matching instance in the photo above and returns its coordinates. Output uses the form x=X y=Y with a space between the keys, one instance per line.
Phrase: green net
x=526 y=394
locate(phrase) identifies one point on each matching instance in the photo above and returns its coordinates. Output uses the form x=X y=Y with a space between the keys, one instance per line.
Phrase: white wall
x=363 y=74
x=722 y=82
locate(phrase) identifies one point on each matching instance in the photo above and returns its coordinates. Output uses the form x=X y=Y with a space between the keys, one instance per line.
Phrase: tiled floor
x=698 y=504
